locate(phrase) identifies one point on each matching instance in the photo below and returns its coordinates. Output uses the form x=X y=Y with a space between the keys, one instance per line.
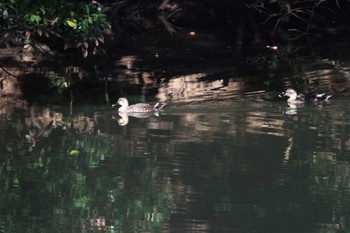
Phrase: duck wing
x=146 y=107
x=141 y=107
x=301 y=97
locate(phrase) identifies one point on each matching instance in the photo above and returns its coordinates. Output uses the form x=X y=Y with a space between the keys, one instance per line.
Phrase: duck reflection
x=124 y=116
x=292 y=108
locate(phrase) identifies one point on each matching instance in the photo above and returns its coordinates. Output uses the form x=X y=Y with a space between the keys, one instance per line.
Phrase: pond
x=238 y=160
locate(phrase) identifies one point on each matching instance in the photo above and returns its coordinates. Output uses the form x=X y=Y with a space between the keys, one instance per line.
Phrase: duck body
x=310 y=97
x=138 y=108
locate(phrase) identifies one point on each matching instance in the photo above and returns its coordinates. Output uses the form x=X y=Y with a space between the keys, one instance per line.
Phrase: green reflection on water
x=46 y=187
x=245 y=169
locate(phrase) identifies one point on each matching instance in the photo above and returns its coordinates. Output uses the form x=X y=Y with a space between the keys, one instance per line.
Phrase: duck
x=138 y=108
x=309 y=97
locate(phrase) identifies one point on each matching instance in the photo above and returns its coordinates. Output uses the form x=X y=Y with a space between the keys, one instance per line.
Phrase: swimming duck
x=294 y=97
x=140 y=107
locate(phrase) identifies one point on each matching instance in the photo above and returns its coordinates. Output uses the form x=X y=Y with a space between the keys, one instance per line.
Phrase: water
x=251 y=168
x=236 y=161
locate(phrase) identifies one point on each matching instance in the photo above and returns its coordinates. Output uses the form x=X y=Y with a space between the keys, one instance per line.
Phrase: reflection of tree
x=311 y=186
x=88 y=173
x=72 y=178
x=307 y=192
x=219 y=164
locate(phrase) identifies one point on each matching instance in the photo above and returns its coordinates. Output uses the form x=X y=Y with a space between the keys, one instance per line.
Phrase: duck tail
x=159 y=106
x=323 y=96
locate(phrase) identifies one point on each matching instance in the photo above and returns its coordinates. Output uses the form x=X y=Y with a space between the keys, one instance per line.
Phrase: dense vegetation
x=66 y=24
x=38 y=25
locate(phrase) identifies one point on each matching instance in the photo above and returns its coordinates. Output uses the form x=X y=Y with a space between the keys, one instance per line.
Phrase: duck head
x=291 y=93
x=123 y=101
x=124 y=104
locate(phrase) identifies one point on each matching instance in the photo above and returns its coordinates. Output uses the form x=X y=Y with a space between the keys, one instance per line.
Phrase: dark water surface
x=244 y=164
x=250 y=168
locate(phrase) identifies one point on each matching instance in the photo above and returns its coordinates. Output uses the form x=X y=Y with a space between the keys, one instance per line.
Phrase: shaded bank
x=141 y=80
x=210 y=55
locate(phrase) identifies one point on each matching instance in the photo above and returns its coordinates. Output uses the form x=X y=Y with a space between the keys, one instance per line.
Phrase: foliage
x=70 y=23
x=299 y=16
x=57 y=82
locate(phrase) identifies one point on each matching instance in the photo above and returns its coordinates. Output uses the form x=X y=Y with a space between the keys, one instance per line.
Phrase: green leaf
x=34 y=18
x=81 y=202
x=15 y=181
x=38 y=164
x=87 y=10
x=85 y=23
x=42 y=9
x=74 y=152
x=71 y=22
